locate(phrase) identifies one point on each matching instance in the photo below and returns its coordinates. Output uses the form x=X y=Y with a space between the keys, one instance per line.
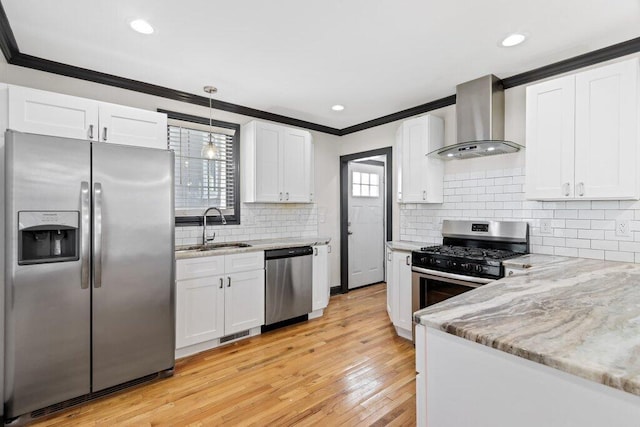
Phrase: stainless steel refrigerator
x=89 y=259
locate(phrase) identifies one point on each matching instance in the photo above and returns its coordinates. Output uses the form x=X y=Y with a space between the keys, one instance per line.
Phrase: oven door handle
x=470 y=281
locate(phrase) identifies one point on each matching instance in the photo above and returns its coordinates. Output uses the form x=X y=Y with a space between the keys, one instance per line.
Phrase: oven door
x=430 y=287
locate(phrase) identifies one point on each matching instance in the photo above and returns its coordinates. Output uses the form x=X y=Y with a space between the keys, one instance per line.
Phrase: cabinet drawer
x=244 y=262
x=199 y=267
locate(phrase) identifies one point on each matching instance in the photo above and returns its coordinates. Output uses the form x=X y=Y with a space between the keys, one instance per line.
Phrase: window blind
x=201 y=182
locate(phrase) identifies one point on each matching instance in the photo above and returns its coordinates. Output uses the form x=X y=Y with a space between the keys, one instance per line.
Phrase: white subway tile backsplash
x=609 y=245
x=579 y=228
x=259 y=221
x=619 y=256
x=591 y=253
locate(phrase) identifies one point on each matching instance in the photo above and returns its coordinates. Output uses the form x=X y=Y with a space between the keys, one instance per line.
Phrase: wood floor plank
x=347 y=368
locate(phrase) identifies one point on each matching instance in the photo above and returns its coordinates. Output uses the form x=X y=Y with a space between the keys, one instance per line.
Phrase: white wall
x=324 y=215
x=257 y=220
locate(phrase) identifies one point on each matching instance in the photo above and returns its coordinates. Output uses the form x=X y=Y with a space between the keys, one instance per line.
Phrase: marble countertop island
x=577 y=315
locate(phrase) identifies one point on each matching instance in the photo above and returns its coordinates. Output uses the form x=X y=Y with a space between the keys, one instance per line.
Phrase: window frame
x=214 y=219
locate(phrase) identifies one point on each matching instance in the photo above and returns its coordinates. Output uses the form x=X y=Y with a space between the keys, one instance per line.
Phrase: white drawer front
x=244 y=262
x=192 y=268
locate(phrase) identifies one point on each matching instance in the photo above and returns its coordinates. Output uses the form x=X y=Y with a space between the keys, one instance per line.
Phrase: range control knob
x=449 y=263
x=423 y=260
x=478 y=269
x=432 y=261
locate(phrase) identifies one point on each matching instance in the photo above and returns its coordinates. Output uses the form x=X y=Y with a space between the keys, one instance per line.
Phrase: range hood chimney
x=479 y=121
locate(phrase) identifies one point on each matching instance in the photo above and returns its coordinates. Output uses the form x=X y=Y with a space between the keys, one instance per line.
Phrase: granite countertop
x=577 y=315
x=532 y=260
x=256 y=245
x=404 y=245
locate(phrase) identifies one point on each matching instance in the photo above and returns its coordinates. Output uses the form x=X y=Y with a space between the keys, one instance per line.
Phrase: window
x=202 y=182
x=365 y=184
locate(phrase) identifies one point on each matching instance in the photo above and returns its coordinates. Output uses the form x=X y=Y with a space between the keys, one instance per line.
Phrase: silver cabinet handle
x=581 y=187
x=221 y=282
x=408 y=260
x=85 y=236
x=567 y=188
x=315 y=251
x=424 y=195
x=97 y=235
x=281 y=195
x=90 y=131
x=287 y=195
x=228 y=281
x=389 y=256
x=328 y=249
x=104 y=134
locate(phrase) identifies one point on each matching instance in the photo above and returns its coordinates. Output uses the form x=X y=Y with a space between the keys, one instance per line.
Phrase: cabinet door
x=268 y=154
x=399 y=158
x=132 y=126
x=402 y=279
x=550 y=139
x=244 y=301
x=48 y=113
x=296 y=166
x=607 y=132
x=391 y=291
x=199 y=310
x=320 y=281
x=414 y=136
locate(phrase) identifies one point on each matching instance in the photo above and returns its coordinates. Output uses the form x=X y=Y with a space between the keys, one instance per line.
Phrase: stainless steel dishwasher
x=288 y=292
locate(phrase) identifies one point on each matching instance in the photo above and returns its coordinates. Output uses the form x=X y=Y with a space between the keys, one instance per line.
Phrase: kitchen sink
x=214 y=246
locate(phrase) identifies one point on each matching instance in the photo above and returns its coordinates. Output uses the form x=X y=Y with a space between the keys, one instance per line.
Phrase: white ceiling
x=297 y=58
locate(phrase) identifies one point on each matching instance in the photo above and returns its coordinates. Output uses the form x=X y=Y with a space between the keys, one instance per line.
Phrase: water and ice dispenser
x=48 y=236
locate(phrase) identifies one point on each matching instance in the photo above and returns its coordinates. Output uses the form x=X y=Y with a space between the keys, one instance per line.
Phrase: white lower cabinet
x=218 y=296
x=320 y=280
x=399 y=291
x=243 y=301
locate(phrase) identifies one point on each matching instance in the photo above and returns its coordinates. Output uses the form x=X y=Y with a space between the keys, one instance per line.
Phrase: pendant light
x=209 y=151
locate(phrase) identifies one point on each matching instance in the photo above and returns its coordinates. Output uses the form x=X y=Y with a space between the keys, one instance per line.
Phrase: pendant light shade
x=209 y=150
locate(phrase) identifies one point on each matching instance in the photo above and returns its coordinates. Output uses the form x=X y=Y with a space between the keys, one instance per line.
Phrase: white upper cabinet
x=277 y=164
x=55 y=114
x=582 y=135
x=132 y=126
x=421 y=177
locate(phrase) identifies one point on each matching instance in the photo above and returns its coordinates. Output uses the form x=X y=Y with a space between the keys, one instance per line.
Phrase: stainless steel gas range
x=471 y=256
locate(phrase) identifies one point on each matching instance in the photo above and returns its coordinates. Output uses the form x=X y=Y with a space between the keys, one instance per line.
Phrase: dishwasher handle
x=288 y=252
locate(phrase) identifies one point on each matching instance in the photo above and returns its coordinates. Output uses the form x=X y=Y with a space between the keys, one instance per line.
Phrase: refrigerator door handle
x=85 y=236
x=97 y=235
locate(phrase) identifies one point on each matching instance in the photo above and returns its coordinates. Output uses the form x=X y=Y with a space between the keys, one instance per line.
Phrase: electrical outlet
x=622 y=228
x=545 y=226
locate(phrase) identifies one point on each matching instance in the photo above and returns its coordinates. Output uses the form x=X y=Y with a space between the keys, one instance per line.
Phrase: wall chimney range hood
x=479 y=121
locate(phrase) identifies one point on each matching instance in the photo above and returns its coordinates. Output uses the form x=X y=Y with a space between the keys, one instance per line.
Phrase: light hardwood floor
x=347 y=368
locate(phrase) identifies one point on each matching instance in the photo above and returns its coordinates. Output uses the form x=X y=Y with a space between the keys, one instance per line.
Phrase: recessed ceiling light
x=337 y=107
x=513 y=40
x=141 y=26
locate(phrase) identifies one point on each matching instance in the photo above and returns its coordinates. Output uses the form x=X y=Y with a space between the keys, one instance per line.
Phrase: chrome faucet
x=205 y=239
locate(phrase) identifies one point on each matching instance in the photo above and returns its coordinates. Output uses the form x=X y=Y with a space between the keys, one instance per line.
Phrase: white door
x=55 y=114
x=132 y=126
x=244 y=301
x=550 y=139
x=199 y=310
x=607 y=132
x=268 y=158
x=320 y=281
x=366 y=224
x=296 y=165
